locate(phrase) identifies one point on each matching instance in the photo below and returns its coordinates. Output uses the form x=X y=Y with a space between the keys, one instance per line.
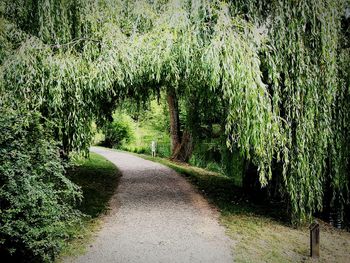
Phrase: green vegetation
x=37 y=200
x=151 y=122
x=259 y=90
x=98 y=179
x=259 y=229
x=145 y=125
x=117 y=132
x=273 y=76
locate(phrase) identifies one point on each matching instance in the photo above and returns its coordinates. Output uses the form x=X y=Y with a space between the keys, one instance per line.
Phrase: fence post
x=314 y=240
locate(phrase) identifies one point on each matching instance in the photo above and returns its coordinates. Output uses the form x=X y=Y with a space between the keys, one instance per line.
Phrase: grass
x=98 y=179
x=260 y=232
x=142 y=139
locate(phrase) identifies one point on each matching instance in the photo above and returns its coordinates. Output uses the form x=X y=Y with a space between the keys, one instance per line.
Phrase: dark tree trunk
x=65 y=149
x=181 y=145
x=174 y=119
x=183 y=151
x=251 y=184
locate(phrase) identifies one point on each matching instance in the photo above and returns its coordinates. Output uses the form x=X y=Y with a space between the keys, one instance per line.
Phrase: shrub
x=116 y=132
x=141 y=150
x=36 y=199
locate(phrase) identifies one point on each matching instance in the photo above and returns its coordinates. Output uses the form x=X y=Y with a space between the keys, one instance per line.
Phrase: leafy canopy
x=278 y=66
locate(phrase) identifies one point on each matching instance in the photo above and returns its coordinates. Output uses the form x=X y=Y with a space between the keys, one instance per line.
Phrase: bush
x=116 y=132
x=36 y=199
x=141 y=150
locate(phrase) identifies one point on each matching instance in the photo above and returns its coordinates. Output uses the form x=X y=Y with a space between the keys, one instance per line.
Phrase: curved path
x=156 y=216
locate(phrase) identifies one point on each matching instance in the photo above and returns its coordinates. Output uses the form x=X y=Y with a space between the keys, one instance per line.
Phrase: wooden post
x=314 y=240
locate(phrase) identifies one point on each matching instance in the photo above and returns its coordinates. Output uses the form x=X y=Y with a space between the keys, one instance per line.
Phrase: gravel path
x=156 y=216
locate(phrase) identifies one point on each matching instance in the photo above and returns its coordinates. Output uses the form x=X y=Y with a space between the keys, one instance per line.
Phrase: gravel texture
x=156 y=216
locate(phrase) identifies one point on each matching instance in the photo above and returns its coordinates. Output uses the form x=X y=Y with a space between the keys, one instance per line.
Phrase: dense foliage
x=116 y=132
x=278 y=72
x=303 y=65
x=36 y=199
x=148 y=123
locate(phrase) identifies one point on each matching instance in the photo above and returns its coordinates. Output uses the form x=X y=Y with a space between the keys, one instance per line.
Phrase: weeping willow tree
x=303 y=62
x=278 y=67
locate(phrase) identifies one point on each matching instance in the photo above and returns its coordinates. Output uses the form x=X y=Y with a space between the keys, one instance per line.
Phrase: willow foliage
x=231 y=60
x=304 y=65
x=278 y=66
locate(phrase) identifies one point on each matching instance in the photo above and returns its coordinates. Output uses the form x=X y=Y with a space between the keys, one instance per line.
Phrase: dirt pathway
x=156 y=216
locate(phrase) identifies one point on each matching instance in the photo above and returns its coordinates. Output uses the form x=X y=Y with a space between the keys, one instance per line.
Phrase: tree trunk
x=183 y=151
x=174 y=119
x=181 y=145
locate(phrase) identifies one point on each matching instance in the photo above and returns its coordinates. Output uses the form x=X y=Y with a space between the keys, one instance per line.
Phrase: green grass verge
x=259 y=231
x=98 y=179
